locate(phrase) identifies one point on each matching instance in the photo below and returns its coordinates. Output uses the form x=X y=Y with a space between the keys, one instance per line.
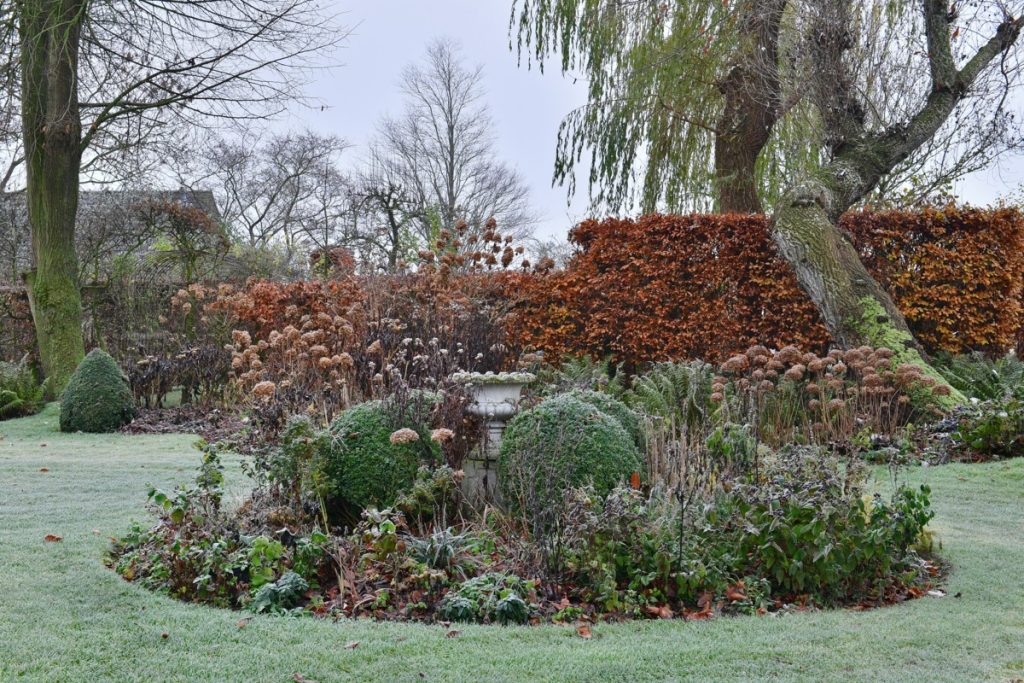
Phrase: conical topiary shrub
x=97 y=398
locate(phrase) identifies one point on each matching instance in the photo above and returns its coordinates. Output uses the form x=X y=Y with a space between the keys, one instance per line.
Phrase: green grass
x=63 y=616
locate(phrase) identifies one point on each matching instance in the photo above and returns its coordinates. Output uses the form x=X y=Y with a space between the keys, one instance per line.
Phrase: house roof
x=108 y=223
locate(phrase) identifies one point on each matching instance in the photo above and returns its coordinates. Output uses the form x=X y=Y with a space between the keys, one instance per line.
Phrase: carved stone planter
x=495 y=399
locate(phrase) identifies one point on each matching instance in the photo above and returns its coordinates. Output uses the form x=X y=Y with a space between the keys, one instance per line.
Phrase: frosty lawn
x=63 y=616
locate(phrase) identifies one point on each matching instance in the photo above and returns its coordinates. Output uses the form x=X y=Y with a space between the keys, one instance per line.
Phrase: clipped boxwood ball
x=613 y=407
x=97 y=398
x=364 y=460
x=561 y=443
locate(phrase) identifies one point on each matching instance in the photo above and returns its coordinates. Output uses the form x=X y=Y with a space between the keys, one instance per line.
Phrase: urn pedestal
x=495 y=399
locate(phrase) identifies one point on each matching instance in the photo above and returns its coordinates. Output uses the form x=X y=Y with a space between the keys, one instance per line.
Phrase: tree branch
x=858 y=167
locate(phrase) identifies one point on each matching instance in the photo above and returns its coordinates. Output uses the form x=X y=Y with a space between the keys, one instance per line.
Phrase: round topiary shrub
x=364 y=459
x=561 y=443
x=97 y=398
x=613 y=407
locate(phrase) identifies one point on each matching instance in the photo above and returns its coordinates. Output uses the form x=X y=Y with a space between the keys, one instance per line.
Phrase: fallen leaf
x=562 y=604
x=584 y=632
x=352 y=645
x=242 y=623
x=299 y=678
x=453 y=633
x=52 y=538
x=660 y=612
x=735 y=592
x=44 y=469
x=703 y=614
x=42 y=445
x=96 y=532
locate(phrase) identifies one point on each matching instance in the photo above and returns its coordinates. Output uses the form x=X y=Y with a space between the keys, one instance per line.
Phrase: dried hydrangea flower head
x=403 y=436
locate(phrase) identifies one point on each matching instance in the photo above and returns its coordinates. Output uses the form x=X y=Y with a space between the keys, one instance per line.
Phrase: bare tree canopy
x=94 y=78
x=440 y=151
x=283 y=187
x=151 y=69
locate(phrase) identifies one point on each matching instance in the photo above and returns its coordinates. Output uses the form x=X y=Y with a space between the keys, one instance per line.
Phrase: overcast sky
x=527 y=106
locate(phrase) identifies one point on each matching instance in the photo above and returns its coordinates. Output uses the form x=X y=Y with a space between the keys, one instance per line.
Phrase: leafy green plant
x=309 y=554
x=378 y=533
x=807 y=528
x=20 y=393
x=488 y=598
x=279 y=596
x=801 y=527
x=579 y=372
x=615 y=408
x=288 y=465
x=561 y=443
x=732 y=444
x=202 y=500
x=265 y=559
x=675 y=392
x=439 y=550
x=992 y=429
x=434 y=496
x=366 y=460
x=619 y=548
x=195 y=551
x=983 y=378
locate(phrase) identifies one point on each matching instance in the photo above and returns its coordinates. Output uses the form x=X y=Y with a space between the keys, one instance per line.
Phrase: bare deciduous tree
x=387 y=215
x=441 y=151
x=95 y=76
x=286 y=189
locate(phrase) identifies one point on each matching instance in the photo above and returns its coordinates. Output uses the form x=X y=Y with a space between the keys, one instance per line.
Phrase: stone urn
x=495 y=399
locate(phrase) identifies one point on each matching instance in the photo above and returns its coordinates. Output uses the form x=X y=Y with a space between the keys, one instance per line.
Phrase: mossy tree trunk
x=854 y=307
x=49 y=32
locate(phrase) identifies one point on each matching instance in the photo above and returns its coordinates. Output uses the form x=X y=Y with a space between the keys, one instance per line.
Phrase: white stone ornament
x=495 y=399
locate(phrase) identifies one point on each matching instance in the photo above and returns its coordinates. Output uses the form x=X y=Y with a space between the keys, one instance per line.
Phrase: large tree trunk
x=51 y=125
x=735 y=171
x=751 y=106
x=852 y=304
x=854 y=307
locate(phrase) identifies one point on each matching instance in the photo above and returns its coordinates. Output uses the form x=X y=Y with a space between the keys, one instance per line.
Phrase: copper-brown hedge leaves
x=702 y=286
